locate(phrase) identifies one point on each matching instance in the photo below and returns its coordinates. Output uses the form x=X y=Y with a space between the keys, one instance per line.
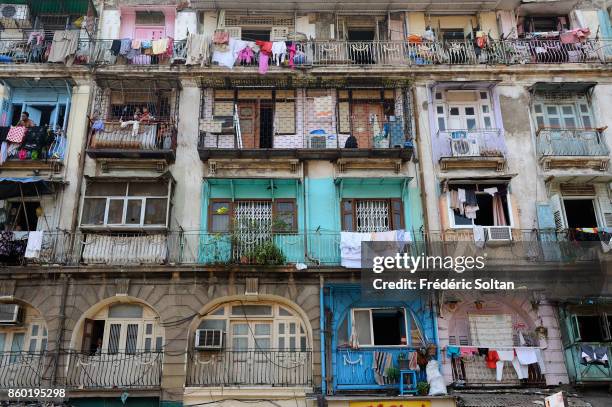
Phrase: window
x=592 y=328
x=567 y=114
x=493 y=208
x=279 y=215
x=464 y=110
x=580 y=213
x=380 y=326
x=21 y=215
x=122 y=328
x=284 y=112
x=258 y=326
x=126 y=204
x=372 y=215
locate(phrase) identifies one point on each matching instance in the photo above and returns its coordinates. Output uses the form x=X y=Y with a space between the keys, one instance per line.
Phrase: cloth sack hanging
x=16 y=134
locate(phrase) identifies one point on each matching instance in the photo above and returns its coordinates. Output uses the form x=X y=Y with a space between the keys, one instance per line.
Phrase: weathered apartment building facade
x=193 y=163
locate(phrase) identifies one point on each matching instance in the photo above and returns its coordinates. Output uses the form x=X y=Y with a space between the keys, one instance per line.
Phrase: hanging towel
x=491 y=191
x=470 y=211
x=381 y=362
x=468 y=350
x=279 y=51
x=160 y=46
x=34 y=245
x=350 y=248
x=492 y=358
x=198 y=49
x=135 y=44
x=526 y=356
x=65 y=44
x=126 y=45
x=227 y=57
x=479 y=236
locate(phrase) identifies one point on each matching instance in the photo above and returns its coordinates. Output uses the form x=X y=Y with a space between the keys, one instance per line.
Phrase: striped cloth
x=382 y=361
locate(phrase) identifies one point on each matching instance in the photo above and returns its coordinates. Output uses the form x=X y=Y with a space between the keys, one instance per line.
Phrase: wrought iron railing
x=133 y=135
x=137 y=369
x=31 y=52
x=266 y=367
x=471 y=143
x=325 y=53
x=314 y=248
x=21 y=369
x=473 y=371
x=110 y=52
x=571 y=142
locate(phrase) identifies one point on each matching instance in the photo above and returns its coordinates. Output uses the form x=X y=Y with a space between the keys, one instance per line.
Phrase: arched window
x=27 y=334
x=123 y=328
x=257 y=326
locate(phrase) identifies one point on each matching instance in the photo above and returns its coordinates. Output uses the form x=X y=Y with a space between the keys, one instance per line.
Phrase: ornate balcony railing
x=17 y=51
x=460 y=143
x=110 y=52
x=253 y=367
x=137 y=369
x=571 y=142
x=473 y=371
x=21 y=369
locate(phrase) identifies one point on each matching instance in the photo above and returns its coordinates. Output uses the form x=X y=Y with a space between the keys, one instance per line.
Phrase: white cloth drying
x=279 y=51
x=350 y=248
x=34 y=245
x=479 y=236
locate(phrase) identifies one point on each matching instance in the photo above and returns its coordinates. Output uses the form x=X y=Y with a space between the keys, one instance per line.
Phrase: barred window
x=372 y=215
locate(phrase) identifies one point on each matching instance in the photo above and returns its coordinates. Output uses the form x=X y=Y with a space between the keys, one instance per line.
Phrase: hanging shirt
x=492 y=358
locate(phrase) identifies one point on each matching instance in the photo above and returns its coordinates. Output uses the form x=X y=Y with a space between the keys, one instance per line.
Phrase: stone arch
x=34 y=338
x=101 y=305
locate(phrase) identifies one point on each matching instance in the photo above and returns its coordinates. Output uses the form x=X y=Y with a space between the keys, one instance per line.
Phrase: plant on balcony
x=267 y=253
x=393 y=374
x=423 y=388
x=490 y=153
x=402 y=361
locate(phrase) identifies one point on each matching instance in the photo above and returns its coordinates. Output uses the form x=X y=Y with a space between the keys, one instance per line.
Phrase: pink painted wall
x=129 y=29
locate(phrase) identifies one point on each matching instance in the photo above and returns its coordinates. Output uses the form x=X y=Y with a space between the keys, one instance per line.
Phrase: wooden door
x=367 y=119
x=249 y=128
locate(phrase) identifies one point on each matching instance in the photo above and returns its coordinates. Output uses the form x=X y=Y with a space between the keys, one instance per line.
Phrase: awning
x=72 y=7
x=238 y=186
x=27 y=187
x=398 y=182
x=581 y=178
x=568 y=87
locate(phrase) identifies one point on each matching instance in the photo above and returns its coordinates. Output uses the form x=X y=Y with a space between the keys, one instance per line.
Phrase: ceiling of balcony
x=359 y=6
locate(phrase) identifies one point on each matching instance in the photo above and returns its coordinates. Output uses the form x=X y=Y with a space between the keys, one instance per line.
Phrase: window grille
x=372 y=216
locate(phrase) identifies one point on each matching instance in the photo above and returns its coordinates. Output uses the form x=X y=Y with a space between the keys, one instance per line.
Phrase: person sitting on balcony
x=25 y=120
x=351 y=142
x=146 y=115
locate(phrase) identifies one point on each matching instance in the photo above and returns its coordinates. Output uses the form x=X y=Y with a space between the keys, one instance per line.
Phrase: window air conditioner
x=319 y=142
x=463 y=145
x=11 y=314
x=15 y=15
x=209 y=339
x=499 y=233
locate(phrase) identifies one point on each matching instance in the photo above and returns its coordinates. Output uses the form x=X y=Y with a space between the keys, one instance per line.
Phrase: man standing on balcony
x=25 y=120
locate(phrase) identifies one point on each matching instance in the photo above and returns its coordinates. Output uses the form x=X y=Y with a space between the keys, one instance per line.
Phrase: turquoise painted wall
x=116 y=402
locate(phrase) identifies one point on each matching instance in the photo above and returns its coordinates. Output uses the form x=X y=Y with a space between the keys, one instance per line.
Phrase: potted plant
x=402 y=361
x=393 y=374
x=423 y=388
x=267 y=253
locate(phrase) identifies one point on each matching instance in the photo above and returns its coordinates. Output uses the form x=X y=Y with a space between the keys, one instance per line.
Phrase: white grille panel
x=252 y=225
x=373 y=216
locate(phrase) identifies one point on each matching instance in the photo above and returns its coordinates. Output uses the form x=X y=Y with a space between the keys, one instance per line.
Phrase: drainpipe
x=305 y=203
x=68 y=106
x=434 y=315
x=60 y=334
x=417 y=141
x=322 y=328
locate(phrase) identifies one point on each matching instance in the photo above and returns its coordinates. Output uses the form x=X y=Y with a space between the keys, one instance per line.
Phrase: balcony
x=581 y=372
x=141 y=140
x=475 y=373
x=471 y=149
x=22 y=369
x=17 y=51
x=123 y=248
x=259 y=367
x=56 y=248
x=352 y=368
x=318 y=139
x=559 y=148
x=132 y=370
x=103 y=55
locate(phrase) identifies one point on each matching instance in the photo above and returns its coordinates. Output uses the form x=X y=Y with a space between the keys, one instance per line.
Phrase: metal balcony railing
x=21 y=369
x=473 y=371
x=315 y=248
x=124 y=369
x=458 y=143
x=571 y=142
x=255 y=367
x=129 y=135
x=106 y=54
x=26 y=52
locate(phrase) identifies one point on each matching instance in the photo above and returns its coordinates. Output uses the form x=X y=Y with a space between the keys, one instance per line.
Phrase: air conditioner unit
x=15 y=16
x=464 y=145
x=319 y=142
x=11 y=314
x=499 y=233
x=209 y=339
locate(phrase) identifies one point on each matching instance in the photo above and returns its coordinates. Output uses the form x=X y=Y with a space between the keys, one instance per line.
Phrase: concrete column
x=188 y=168
x=77 y=138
